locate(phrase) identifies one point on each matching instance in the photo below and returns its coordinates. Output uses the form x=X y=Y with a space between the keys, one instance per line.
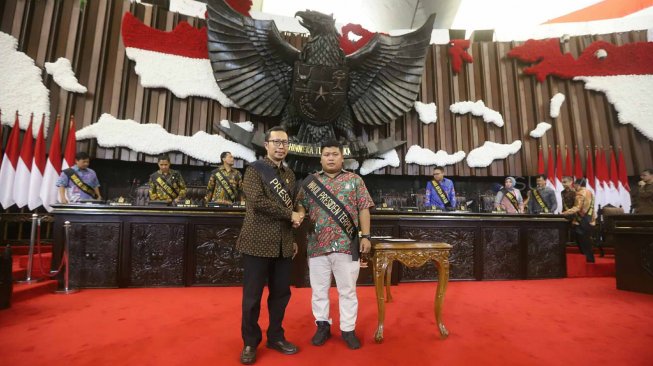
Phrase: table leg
x=443 y=280
x=380 y=268
x=388 y=282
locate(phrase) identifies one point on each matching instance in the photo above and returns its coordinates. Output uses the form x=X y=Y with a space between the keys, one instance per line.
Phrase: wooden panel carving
x=216 y=259
x=376 y=230
x=94 y=249
x=545 y=254
x=157 y=254
x=461 y=257
x=501 y=253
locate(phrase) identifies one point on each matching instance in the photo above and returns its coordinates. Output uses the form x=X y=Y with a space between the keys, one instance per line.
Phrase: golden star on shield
x=321 y=94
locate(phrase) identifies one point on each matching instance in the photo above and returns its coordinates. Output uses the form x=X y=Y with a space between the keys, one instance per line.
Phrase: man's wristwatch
x=365 y=236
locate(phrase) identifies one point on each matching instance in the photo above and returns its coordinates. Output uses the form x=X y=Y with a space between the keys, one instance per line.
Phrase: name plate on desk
x=91 y=202
x=158 y=203
x=410 y=209
x=384 y=209
x=120 y=204
x=222 y=205
x=187 y=205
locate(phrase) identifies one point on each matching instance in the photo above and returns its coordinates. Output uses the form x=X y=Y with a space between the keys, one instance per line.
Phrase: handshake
x=297 y=219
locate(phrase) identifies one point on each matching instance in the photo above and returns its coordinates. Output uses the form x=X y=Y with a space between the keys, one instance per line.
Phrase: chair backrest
x=612 y=211
x=194 y=193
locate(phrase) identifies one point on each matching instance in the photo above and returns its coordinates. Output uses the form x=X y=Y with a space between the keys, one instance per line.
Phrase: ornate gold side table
x=411 y=254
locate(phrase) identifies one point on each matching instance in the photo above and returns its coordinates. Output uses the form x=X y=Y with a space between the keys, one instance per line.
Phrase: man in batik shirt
x=226 y=183
x=166 y=184
x=78 y=182
x=338 y=205
x=582 y=218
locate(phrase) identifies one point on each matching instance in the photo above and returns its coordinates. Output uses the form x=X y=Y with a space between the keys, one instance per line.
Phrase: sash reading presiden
x=338 y=205
x=440 y=192
x=79 y=182
x=266 y=241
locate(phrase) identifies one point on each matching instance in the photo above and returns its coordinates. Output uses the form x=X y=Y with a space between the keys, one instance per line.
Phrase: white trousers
x=345 y=272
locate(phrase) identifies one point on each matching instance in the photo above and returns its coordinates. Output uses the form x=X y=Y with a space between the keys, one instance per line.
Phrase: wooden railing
x=16 y=227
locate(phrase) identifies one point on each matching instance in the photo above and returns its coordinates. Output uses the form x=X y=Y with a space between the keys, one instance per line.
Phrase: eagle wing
x=385 y=75
x=251 y=62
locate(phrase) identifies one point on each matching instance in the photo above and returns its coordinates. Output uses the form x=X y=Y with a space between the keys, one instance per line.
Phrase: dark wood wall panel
x=90 y=38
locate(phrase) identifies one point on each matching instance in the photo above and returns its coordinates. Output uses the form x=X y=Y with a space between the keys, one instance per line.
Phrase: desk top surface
x=102 y=209
x=408 y=245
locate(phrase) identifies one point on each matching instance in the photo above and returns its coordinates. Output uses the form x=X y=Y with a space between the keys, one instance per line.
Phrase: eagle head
x=316 y=22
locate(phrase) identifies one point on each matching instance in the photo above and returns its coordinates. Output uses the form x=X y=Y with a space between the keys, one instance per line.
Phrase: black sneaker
x=351 y=340
x=322 y=334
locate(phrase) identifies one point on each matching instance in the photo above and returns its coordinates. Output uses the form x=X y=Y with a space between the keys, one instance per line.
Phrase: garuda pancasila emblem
x=318 y=91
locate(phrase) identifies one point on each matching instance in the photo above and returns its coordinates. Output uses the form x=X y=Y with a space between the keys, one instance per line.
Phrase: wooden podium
x=632 y=239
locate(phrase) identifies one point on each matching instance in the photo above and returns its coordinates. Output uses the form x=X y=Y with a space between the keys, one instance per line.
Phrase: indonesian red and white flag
x=8 y=168
x=605 y=176
x=569 y=169
x=589 y=175
x=623 y=187
x=578 y=166
x=540 y=161
x=599 y=178
x=558 y=180
x=38 y=168
x=71 y=147
x=612 y=192
x=550 y=171
x=23 y=167
x=52 y=170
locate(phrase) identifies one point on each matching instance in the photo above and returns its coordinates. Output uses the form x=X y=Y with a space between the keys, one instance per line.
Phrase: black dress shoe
x=248 y=355
x=351 y=340
x=283 y=346
x=322 y=334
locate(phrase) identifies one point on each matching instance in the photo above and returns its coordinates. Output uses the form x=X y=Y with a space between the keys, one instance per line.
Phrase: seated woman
x=509 y=198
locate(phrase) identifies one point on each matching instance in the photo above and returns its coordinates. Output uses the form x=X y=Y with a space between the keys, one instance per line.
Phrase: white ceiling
x=386 y=15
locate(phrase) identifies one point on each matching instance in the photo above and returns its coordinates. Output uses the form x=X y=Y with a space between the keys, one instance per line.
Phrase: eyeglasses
x=278 y=143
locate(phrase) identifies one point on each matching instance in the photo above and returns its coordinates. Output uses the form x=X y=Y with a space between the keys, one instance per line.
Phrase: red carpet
x=40 y=265
x=549 y=322
x=577 y=266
